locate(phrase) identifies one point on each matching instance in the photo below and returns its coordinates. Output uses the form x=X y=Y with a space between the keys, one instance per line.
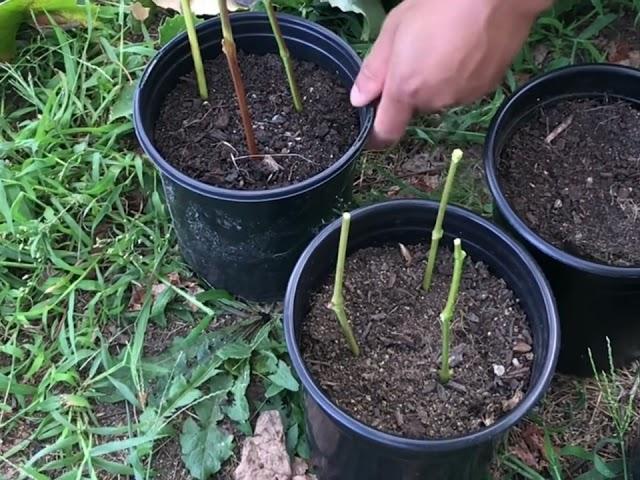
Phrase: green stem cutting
x=436 y=234
x=195 y=48
x=284 y=55
x=446 y=317
x=337 y=300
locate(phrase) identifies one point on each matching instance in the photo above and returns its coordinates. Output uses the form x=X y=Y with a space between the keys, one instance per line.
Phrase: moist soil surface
x=205 y=140
x=394 y=384
x=571 y=171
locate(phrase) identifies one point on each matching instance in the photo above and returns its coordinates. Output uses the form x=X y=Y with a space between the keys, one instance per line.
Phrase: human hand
x=434 y=54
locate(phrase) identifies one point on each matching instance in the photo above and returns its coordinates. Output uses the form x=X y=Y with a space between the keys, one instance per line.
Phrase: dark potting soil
x=394 y=384
x=581 y=189
x=205 y=140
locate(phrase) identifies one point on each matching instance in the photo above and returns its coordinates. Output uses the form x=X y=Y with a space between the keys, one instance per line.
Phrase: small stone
x=442 y=393
x=532 y=219
x=455 y=360
x=498 y=370
x=589 y=180
x=472 y=317
x=222 y=120
x=623 y=193
x=270 y=164
x=458 y=387
x=322 y=131
x=557 y=204
x=399 y=418
x=262 y=136
x=231 y=177
x=278 y=119
x=516 y=363
x=429 y=387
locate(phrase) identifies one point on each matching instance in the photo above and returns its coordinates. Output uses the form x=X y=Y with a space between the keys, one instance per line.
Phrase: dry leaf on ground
x=620 y=52
x=300 y=470
x=265 y=457
x=139 y=11
x=138 y=292
x=137 y=298
x=529 y=447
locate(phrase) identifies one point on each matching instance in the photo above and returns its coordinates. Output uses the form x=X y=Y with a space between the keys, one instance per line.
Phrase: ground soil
x=393 y=385
x=580 y=190
x=205 y=140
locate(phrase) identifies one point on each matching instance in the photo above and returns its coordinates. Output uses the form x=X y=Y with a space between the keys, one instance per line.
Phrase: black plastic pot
x=247 y=242
x=346 y=449
x=595 y=301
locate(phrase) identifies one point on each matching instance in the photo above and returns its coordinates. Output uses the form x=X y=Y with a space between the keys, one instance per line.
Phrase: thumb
x=370 y=81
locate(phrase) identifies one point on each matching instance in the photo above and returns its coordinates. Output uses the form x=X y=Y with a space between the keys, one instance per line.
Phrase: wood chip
x=271 y=164
x=522 y=347
x=405 y=254
x=399 y=419
x=513 y=401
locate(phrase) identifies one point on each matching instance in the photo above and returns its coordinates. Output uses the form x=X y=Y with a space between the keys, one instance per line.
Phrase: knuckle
x=368 y=70
x=442 y=102
x=407 y=89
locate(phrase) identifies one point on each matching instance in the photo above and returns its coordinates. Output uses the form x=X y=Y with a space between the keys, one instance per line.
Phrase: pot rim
x=495 y=136
x=533 y=395
x=301 y=24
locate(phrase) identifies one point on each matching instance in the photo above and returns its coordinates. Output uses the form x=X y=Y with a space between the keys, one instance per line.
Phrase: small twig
x=231 y=147
x=447 y=314
x=434 y=169
x=276 y=155
x=229 y=49
x=437 y=232
x=337 y=301
x=559 y=129
x=198 y=120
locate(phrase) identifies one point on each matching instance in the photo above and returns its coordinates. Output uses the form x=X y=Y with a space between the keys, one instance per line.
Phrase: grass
x=109 y=346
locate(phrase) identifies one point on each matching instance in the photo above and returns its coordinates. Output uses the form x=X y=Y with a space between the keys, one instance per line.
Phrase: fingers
x=370 y=81
x=393 y=115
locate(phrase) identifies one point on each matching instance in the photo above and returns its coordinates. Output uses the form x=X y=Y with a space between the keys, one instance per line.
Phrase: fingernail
x=358 y=99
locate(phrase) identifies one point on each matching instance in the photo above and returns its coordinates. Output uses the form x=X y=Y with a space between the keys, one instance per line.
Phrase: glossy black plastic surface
x=595 y=301
x=346 y=449
x=247 y=242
